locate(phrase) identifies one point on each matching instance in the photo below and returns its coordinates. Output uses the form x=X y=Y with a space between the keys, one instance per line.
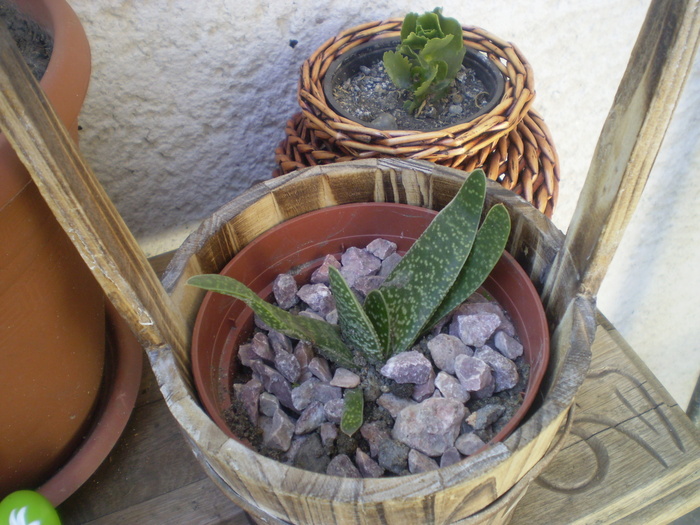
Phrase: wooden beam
x=81 y=206
x=630 y=140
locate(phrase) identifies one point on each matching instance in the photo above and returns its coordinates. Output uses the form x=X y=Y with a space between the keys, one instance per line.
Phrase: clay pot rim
x=115 y=405
x=65 y=81
x=201 y=368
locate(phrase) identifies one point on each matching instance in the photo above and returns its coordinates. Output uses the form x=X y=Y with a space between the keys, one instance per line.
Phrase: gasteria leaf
x=418 y=284
x=323 y=335
x=376 y=309
x=353 y=416
x=488 y=247
x=358 y=331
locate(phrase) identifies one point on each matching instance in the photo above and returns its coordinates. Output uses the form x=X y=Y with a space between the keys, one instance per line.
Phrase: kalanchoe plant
x=429 y=56
x=446 y=264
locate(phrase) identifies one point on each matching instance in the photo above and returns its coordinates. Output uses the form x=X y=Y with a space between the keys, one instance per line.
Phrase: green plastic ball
x=26 y=507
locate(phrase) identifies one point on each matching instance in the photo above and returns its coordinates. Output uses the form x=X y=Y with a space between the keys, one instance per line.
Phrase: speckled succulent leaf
x=487 y=249
x=324 y=336
x=353 y=416
x=398 y=68
x=378 y=314
x=418 y=284
x=356 y=328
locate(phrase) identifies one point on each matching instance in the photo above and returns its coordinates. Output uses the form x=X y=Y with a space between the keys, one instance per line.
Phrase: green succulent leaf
x=378 y=313
x=323 y=335
x=353 y=412
x=433 y=48
x=356 y=328
x=488 y=247
x=409 y=25
x=428 y=24
x=398 y=68
x=444 y=50
x=423 y=87
x=418 y=284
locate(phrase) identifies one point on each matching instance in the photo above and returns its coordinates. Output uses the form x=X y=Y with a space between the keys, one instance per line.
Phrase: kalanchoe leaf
x=399 y=69
x=376 y=309
x=418 y=284
x=443 y=50
x=323 y=335
x=428 y=24
x=488 y=247
x=353 y=412
x=426 y=41
x=409 y=25
x=422 y=89
x=355 y=326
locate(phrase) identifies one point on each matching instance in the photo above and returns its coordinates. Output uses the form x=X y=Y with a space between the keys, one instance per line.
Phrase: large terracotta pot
x=52 y=311
x=299 y=246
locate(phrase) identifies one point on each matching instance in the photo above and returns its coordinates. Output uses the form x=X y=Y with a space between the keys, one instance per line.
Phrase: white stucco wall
x=189 y=99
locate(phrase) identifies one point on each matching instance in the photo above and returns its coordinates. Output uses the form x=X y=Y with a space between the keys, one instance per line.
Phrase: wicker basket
x=523 y=161
x=511 y=141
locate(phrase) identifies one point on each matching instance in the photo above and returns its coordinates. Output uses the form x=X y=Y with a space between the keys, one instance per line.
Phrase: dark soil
x=34 y=43
x=370 y=96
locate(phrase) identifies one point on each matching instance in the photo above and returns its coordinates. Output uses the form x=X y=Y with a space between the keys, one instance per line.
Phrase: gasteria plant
x=445 y=265
x=429 y=56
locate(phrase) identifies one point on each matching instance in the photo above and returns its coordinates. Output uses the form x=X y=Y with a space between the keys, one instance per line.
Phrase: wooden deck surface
x=633 y=456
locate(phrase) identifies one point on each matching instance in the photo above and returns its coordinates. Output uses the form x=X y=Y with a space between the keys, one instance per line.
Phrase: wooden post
x=81 y=206
x=629 y=142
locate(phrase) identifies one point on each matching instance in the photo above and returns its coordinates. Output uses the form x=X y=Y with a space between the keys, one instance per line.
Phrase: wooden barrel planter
x=480 y=488
x=510 y=142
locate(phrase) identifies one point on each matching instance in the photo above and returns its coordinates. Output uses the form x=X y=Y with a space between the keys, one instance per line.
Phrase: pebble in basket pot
x=448 y=262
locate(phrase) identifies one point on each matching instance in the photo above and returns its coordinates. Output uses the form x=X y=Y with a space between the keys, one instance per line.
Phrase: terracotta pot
x=52 y=312
x=348 y=65
x=299 y=246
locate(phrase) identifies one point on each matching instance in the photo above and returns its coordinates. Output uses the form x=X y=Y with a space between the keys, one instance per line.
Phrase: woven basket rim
x=517 y=99
x=524 y=161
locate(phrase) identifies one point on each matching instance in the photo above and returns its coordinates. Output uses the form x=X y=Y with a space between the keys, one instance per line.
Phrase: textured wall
x=189 y=99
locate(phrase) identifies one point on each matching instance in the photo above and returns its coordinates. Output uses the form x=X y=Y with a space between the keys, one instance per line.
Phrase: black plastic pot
x=349 y=63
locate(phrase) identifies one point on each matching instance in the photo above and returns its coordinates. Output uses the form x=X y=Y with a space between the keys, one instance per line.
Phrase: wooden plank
x=198 y=503
x=81 y=206
x=150 y=459
x=630 y=140
x=632 y=453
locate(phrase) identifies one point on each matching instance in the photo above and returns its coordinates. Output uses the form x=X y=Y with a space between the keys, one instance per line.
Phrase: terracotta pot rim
x=65 y=81
x=117 y=400
x=202 y=369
